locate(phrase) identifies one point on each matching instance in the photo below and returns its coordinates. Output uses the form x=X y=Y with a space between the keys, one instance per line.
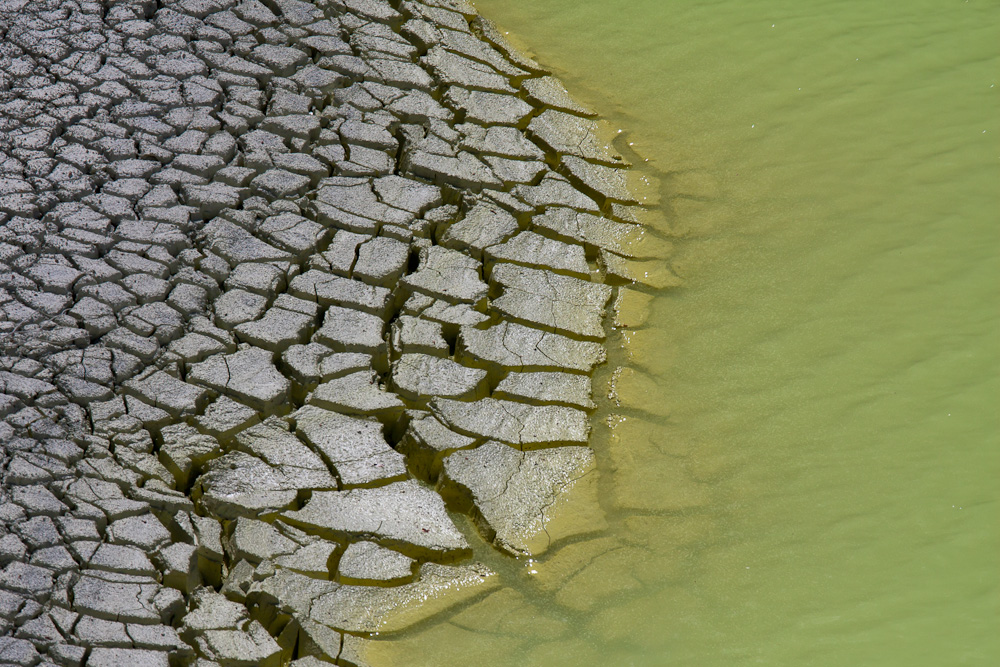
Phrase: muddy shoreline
x=283 y=285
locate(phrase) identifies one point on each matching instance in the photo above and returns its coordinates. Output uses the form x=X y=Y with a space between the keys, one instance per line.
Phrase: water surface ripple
x=810 y=478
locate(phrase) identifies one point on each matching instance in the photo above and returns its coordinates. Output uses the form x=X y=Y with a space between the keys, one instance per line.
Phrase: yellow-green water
x=824 y=489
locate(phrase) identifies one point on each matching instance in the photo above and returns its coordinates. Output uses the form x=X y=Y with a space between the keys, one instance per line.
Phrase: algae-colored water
x=809 y=476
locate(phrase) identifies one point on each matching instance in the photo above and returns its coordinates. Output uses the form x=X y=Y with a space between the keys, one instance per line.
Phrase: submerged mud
x=285 y=285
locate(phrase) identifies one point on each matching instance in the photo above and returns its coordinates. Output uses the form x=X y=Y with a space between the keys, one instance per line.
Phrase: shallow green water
x=824 y=489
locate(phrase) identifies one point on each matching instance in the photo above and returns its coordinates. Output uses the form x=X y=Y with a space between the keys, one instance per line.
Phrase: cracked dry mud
x=283 y=284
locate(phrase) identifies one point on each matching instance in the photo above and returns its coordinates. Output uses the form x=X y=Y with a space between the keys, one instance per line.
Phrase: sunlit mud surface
x=287 y=289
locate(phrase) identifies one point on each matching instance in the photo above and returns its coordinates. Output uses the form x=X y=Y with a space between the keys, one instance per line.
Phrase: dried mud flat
x=282 y=284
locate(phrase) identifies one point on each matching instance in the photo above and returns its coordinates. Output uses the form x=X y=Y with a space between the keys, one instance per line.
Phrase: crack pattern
x=218 y=216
